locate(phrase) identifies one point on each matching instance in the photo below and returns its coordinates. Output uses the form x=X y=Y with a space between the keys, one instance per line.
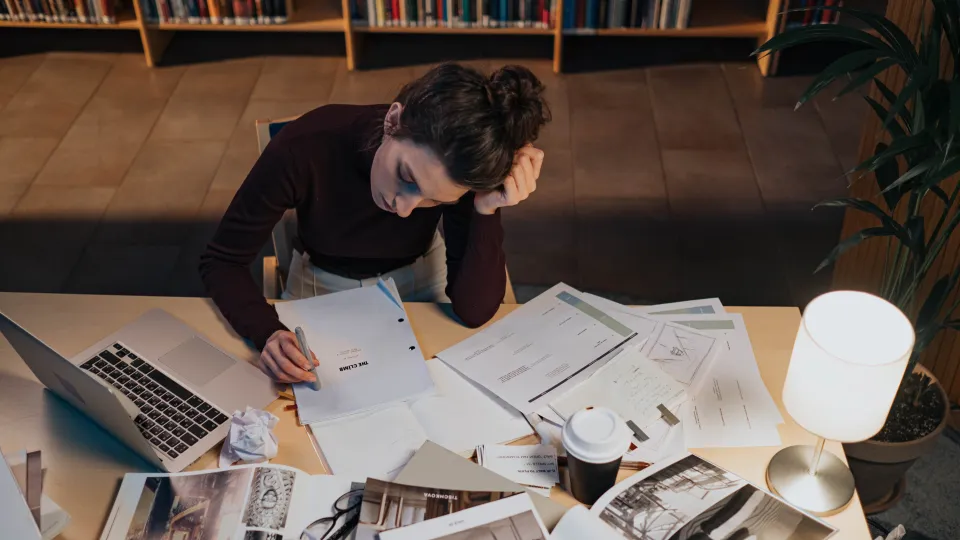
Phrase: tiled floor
x=659 y=184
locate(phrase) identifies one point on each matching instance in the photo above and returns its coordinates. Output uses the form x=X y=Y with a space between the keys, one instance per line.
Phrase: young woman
x=371 y=185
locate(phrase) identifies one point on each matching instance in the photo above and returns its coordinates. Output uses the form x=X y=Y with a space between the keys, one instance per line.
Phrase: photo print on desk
x=262 y=535
x=692 y=499
x=195 y=506
x=269 y=499
x=388 y=505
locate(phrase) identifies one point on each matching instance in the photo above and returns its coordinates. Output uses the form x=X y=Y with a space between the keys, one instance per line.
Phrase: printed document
x=733 y=407
x=630 y=384
x=458 y=417
x=369 y=357
x=540 y=350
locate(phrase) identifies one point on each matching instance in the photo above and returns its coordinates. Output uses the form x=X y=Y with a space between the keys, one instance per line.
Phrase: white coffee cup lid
x=596 y=435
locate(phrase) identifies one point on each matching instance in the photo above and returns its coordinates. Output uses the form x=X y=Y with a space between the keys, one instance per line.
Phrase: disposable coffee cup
x=595 y=440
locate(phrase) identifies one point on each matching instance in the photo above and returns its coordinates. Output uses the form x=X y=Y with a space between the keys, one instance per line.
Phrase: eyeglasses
x=347 y=506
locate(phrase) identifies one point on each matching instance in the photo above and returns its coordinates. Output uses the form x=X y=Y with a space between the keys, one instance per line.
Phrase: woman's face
x=406 y=176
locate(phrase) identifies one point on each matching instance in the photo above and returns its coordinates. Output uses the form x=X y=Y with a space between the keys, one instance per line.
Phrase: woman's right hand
x=282 y=360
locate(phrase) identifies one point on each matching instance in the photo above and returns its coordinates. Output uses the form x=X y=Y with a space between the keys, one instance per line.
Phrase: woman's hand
x=282 y=360
x=520 y=183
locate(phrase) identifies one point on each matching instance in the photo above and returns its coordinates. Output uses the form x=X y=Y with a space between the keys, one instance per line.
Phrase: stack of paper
x=540 y=350
x=459 y=416
x=532 y=466
x=369 y=357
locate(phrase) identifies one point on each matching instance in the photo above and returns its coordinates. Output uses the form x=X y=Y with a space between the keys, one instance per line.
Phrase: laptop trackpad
x=196 y=361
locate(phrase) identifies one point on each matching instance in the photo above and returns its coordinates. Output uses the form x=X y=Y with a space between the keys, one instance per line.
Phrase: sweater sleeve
x=476 y=265
x=272 y=187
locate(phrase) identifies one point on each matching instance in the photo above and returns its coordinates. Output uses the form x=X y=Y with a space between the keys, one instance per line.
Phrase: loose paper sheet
x=682 y=352
x=462 y=415
x=540 y=350
x=376 y=445
x=369 y=356
x=733 y=407
x=530 y=465
x=631 y=385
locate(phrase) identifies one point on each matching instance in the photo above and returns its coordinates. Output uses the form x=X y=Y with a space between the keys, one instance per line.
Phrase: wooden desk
x=85 y=464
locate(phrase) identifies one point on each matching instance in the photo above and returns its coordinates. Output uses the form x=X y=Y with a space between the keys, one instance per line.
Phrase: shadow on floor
x=749 y=261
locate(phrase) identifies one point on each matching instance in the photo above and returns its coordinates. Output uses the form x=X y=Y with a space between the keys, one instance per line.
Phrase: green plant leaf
x=868 y=207
x=886 y=174
x=914 y=172
x=916 y=241
x=935 y=299
x=946 y=13
x=948 y=169
x=916 y=80
x=886 y=29
x=841 y=66
x=850 y=242
x=891 y=98
x=954 y=106
x=895 y=129
x=897 y=147
x=941 y=194
x=824 y=32
x=955 y=324
x=866 y=74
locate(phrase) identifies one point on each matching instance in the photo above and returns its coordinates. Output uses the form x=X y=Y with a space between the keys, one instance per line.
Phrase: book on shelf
x=800 y=13
x=59 y=11
x=206 y=12
x=454 y=13
x=586 y=16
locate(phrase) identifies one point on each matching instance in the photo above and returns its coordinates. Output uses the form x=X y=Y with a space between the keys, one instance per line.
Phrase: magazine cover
x=388 y=505
x=689 y=498
x=250 y=502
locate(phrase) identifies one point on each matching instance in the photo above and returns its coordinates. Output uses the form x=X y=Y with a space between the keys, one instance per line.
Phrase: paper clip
x=668 y=416
x=641 y=436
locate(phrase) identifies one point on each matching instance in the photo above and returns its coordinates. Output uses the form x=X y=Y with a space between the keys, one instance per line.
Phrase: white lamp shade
x=847 y=363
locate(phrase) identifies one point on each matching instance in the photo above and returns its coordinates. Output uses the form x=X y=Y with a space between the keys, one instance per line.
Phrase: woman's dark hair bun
x=474 y=124
x=518 y=94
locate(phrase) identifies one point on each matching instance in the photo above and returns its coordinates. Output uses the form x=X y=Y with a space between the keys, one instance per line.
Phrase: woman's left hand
x=520 y=183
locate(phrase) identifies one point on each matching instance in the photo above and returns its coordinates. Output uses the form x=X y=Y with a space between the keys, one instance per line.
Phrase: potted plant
x=916 y=214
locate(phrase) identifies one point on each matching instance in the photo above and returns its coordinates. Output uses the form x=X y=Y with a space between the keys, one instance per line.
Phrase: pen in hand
x=305 y=349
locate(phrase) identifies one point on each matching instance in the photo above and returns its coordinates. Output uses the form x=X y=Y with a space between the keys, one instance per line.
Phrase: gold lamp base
x=811 y=479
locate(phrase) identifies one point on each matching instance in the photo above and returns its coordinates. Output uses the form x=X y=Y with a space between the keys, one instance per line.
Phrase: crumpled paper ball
x=251 y=438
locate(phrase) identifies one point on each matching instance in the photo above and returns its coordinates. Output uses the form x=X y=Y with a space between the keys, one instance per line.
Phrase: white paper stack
x=369 y=357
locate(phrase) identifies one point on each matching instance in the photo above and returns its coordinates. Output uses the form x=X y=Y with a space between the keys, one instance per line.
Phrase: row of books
x=238 y=12
x=814 y=12
x=455 y=13
x=654 y=14
x=59 y=11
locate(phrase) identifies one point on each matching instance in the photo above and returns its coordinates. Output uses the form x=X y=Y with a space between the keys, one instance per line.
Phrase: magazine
x=512 y=518
x=389 y=505
x=248 y=502
x=686 y=497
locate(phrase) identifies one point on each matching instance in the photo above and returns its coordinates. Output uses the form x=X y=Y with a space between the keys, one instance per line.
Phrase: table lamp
x=849 y=357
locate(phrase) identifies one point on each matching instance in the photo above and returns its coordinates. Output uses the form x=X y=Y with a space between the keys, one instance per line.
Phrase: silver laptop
x=155 y=384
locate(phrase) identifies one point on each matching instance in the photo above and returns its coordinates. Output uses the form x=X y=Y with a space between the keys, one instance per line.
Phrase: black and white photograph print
x=190 y=507
x=752 y=514
x=695 y=500
x=262 y=535
x=519 y=527
x=269 y=499
x=656 y=507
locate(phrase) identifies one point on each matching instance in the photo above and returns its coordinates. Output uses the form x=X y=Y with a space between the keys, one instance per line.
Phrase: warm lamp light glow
x=847 y=363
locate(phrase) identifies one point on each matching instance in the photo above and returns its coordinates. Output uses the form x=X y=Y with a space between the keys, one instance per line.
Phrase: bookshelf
x=751 y=19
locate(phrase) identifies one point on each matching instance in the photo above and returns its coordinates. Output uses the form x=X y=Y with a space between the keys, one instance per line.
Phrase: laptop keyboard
x=171 y=417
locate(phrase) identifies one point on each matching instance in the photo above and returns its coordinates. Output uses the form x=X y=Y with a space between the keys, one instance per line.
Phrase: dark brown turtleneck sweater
x=320 y=164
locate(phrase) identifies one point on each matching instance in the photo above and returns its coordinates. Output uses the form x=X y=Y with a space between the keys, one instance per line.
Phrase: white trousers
x=424 y=280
